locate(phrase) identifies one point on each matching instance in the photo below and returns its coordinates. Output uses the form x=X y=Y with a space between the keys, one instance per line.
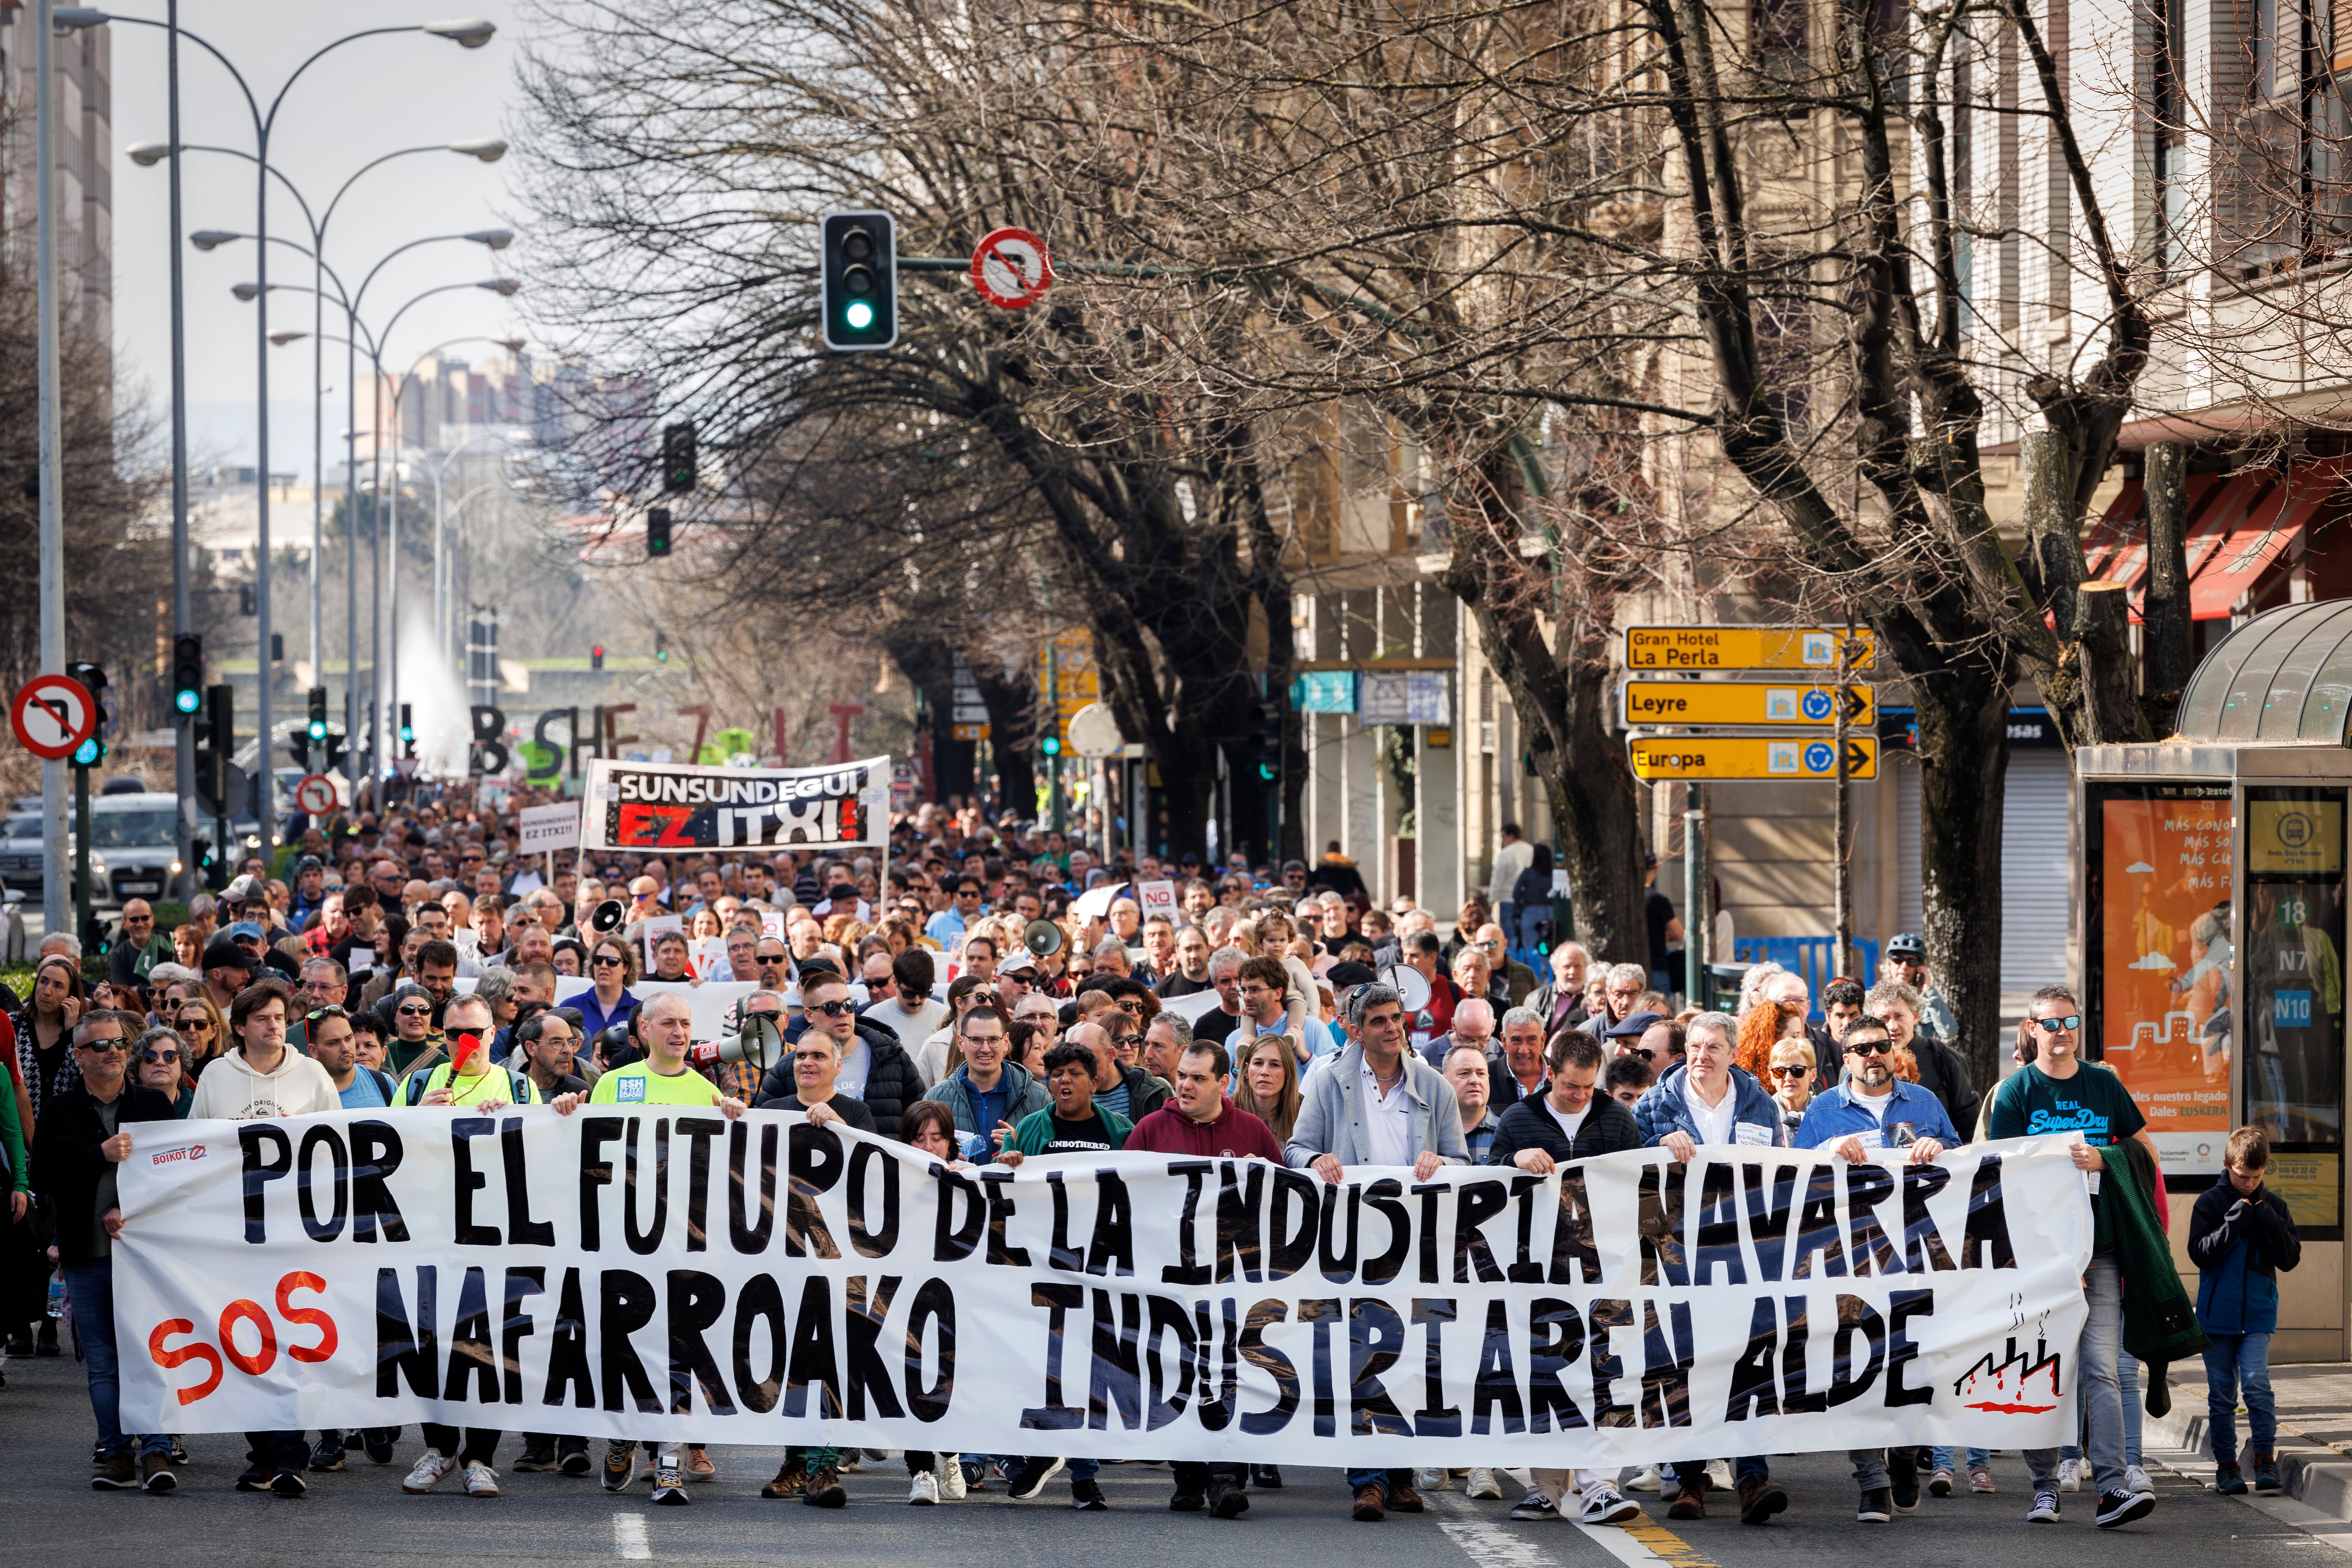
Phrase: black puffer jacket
x=891 y=1082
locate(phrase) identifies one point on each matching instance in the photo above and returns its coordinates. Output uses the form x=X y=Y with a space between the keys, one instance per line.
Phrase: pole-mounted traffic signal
x=407 y=732
x=858 y=272
x=216 y=743
x=317 y=726
x=596 y=657
x=187 y=673
x=90 y=752
x=678 y=455
x=657 y=532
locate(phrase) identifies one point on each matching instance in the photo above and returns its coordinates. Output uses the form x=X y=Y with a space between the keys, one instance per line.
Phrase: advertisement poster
x=2161 y=906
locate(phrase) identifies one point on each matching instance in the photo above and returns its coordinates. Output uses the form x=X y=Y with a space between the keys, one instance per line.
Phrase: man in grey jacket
x=1377 y=1104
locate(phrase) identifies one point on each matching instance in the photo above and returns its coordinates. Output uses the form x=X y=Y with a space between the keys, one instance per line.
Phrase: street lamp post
x=470 y=33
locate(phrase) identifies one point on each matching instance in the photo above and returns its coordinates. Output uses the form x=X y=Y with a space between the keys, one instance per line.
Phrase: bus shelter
x=2213 y=929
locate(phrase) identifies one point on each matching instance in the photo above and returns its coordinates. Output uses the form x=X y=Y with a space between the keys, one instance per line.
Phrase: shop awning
x=2238 y=525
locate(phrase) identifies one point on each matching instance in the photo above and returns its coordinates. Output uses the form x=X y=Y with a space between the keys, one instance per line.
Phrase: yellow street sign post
x=1649 y=703
x=1745 y=648
x=1704 y=757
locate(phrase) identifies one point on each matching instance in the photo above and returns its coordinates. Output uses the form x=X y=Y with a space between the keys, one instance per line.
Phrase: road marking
x=1491 y=1547
x=1644 y=1544
x=629 y=1537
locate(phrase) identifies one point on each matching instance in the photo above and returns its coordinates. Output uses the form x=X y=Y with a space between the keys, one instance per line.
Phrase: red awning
x=2233 y=566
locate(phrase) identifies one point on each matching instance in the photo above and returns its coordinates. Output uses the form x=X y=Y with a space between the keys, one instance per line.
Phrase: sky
x=366 y=99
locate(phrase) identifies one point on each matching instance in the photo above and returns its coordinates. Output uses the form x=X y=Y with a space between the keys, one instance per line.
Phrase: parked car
x=20 y=848
x=132 y=848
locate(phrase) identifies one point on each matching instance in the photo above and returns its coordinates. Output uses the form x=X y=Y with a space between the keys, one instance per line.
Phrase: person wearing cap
x=252 y=938
x=1907 y=960
x=228 y=967
x=310 y=892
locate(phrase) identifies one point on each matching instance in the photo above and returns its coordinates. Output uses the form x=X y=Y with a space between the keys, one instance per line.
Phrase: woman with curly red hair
x=1761 y=1028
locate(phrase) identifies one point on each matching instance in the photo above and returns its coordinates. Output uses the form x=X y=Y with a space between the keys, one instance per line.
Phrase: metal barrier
x=1809 y=958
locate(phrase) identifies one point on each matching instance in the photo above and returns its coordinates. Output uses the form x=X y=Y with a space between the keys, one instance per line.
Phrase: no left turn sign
x=1010 y=268
x=315 y=795
x=52 y=715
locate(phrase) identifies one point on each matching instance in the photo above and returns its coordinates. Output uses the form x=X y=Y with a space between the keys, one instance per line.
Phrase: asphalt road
x=54 y=1519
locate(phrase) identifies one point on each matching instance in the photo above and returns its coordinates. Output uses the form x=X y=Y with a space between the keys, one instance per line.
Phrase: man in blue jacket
x=1874 y=1110
x=987 y=1095
x=1704 y=1099
x=2241 y=1237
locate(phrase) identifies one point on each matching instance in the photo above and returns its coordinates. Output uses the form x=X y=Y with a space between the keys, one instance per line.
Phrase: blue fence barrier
x=1808 y=956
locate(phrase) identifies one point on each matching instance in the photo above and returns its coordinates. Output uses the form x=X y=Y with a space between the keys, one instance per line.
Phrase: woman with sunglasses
x=202 y=1029
x=1791 y=1078
x=613 y=964
x=156 y=1058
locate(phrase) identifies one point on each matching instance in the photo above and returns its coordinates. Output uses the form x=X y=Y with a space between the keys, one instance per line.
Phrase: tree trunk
x=2104 y=622
x=1012 y=702
x=1963 y=764
x=2165 y=627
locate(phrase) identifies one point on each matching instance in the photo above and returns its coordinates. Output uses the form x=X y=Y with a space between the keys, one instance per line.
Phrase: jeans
x=2096 y=1384
x=481 y=1446
x=1869 y=1469
x=278 y=1451
x=90 y=1291
x=1979 y=1459
x=1192 y=1477
x=2128 y=1384
x=1746 y=1468
x=1559 y=1486
x=2233 y=1361
x=1391 y=1480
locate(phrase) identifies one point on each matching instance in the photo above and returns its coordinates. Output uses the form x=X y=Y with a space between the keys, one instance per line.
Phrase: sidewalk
x=2314 y=1440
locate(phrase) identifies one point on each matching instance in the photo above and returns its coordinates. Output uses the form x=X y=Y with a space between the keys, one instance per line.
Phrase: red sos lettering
x=261 y=1329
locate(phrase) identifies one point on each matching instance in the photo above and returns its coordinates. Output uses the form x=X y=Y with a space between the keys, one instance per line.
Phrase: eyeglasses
x=196 y=1020
x=315 y=1014
x=1643 y=1051
x=1870 y=1048
x=601 y=959
x=154 y=1056
x=766 y=960
x=138 y=920
x=415 y=1012
x=116 y=1043
x=830 y=1009
x=1799 y=1071
x=2058 y=1026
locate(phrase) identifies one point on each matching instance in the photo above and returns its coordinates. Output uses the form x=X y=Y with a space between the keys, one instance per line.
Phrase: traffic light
x=245 y=599
x=407 y=732
x=679 y=452
x=858 y=272
x=661 y=648
x=596 y=657
x=318 y=713
x=90 y=752
x=657 y=532
x=277 y=647
x=1051 y=746
x=1266 y=739
x=216 y=743
x=187 y=673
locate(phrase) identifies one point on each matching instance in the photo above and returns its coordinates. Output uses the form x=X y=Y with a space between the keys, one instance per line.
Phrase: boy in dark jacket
x=2241 y=1238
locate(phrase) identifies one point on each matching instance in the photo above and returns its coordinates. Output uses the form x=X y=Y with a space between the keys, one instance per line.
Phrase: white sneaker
x=2070 y=1474
x=951 y=1486
x=1481 y=1484
x=1669 y=1484
x=1718 y=1474
x=1431 y=1477
x=1603 y=1505
x=925 y=1491
x=1537 y=1506
x=427 y=1473
x=481 y=1480
x=2135 y=1482
x=1646 y=1480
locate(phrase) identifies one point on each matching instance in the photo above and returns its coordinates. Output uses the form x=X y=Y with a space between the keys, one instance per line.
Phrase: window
x=2293 y=1072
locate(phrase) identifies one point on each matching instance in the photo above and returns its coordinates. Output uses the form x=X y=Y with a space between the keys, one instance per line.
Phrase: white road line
x=1490 y=1547
x=629 y=1537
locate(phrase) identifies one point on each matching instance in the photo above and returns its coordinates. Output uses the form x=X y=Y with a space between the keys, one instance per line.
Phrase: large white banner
x=672 y=806
x=672 y=1275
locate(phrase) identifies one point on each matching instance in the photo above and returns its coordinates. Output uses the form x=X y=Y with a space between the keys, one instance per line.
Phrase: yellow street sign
x=1751 y=757
x=1743 y=648
x=1743 y=703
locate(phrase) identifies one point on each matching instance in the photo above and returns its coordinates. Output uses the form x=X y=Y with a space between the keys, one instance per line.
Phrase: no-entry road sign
x=1010 y=268
x=53 y=715
x=1707 y=757
x=1743 y=703
x=1744 y=648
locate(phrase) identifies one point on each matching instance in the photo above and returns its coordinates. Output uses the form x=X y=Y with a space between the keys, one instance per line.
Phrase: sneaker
x=791 y=1479
x=155 y=1473
x=1404 y=1499
x=1670 y=1485
x=2045 y=1507
x=1187 y=1502
x=573 y=1462
x=1266 y=1476
x=952 y=1484
x=327 y=1455
x=537 y=1458
x=2135 y=1481
x=1981 y=1480
x=119 y=1473
x=852 y=1461
x=432 y=1467
x=2228 y=1479
x=1429 y=1478
x=481 y=1480
x=923 y=1489
x=1035 y=1474
x=1369 y=1503
x=2121 y=1507
x=1940 y=1483
x=1877 y=1506
x=699 y=1466
x=1644 y=1479
x=826 y=1490
x=669 y=1486
x=1086 y=1497
x=377 y=1444
x=1226 y=1500
x=253 y=1478
x=2070 y=1474
x=180 y=1451
x=1759 y=1500
x=618 y=1469
x=1718 y=1474
x=289 y=1484
x=1903 y=1480
x=1481 y=1484
x=1604 y=1504
x=2266 y=1473
x=1535 y=1506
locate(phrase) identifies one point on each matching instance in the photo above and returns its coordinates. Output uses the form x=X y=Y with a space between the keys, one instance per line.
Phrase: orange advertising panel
x=2161 y=907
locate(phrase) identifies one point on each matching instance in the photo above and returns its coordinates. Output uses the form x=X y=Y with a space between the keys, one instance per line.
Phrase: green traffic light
x=88 y=753
x=1266 y=771
x=187 y=699
x=1053 y=746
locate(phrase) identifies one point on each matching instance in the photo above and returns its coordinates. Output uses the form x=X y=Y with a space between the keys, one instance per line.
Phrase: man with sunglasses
x=82 y=1137
x=869 y=1066
x=2057 y=1093
x=1872 y=1111
x=137 y=947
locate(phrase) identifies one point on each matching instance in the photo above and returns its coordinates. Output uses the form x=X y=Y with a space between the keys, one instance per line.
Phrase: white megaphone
x=1408 y=984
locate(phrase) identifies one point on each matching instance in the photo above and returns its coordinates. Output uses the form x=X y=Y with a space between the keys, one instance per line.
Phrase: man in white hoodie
x=260 y=1080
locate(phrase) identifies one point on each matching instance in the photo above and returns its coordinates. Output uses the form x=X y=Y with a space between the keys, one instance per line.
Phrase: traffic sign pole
x=81 y=858
x=1696 y=990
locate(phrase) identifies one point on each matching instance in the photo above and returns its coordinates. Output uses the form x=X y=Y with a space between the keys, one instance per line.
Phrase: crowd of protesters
x=412 y=959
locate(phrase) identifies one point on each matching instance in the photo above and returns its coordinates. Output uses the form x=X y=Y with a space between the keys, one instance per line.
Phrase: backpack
x=518 y=1087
